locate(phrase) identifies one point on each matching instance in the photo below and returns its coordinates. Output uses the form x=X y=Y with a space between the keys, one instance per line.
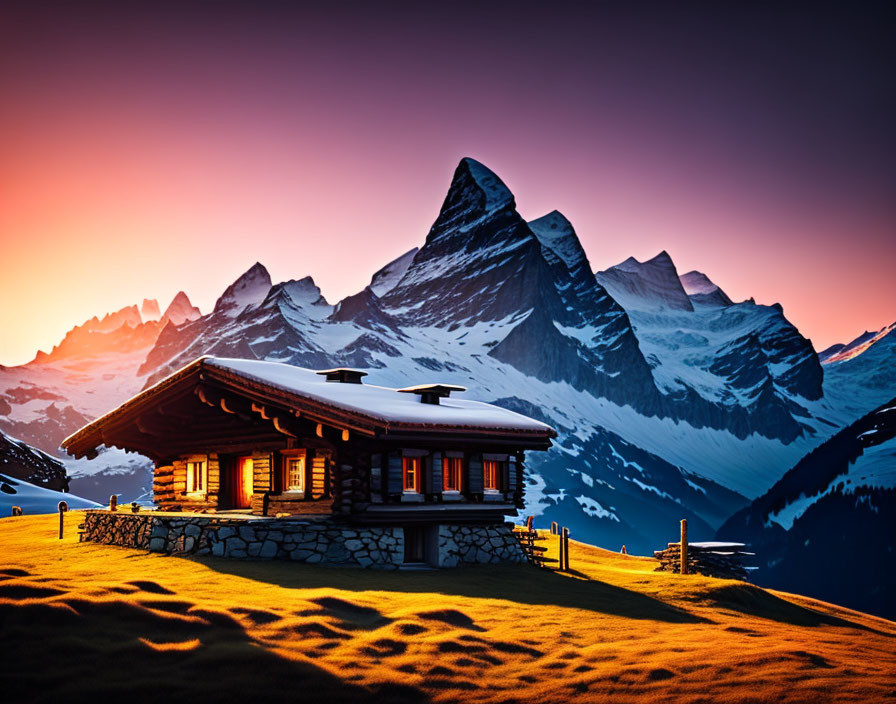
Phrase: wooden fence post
x=565 y=539
x=560 y=552
x=63 y=507
x=684 y=546
x=113 y=502
x=555 y=529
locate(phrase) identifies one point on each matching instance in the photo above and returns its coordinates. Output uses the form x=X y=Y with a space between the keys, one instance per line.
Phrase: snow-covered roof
x=379 y=402
x=376 y=410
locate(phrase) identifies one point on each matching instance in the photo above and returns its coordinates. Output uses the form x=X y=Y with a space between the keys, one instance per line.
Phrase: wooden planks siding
x=319 y=465
x=261 y=472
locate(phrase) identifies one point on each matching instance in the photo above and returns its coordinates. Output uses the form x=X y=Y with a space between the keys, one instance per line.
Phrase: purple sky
x=149 y=150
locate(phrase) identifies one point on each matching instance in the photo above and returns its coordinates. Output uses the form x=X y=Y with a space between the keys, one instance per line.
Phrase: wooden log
x=684 y=546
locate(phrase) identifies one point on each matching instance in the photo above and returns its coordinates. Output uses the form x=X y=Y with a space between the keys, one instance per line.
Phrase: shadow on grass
x=518 y=583
x=80 y=650
x=754 y=601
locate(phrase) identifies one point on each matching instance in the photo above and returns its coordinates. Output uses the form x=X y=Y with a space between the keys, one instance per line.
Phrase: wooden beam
x=260 y=410
x=280 y=429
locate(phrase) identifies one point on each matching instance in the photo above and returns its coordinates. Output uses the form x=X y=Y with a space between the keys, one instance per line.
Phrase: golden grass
x=78 y=621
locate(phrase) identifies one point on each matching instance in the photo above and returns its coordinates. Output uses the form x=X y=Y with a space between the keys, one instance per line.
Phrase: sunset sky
x=146 y=150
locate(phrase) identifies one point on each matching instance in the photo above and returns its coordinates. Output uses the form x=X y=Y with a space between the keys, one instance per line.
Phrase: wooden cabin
x=271 y=439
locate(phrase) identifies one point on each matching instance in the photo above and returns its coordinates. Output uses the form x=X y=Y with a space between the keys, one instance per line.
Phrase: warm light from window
x=295 y=474
x=195 y=477
x=451 y=473
x=411 y=471
x=492 y=475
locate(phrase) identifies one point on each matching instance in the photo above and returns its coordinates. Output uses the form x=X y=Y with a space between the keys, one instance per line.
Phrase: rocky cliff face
x=21 y=461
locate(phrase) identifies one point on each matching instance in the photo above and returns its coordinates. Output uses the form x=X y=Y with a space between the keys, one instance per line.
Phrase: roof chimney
x=431 y=393
x=343 y=375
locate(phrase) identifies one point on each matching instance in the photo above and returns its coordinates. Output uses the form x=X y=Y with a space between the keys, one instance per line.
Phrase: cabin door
x=239 y=483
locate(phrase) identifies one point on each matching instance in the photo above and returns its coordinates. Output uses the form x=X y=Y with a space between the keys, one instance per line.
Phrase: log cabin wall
x=214 y=480
x=163 y=484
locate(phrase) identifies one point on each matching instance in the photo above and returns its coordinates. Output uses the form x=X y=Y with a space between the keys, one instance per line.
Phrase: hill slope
x=124 y=622
x=832 y=515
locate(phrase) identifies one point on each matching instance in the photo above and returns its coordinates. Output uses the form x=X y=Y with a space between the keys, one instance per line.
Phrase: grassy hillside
x=81 y=620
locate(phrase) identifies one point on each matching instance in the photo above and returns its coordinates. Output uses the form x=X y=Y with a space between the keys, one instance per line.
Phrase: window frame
x=412 y=466
x=285 y=459
x=498 y=469
x=190 y=481
x=457 y=470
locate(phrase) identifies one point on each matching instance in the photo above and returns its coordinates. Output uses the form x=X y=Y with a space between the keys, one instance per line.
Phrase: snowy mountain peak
x=646 y=285
x=701 y=289
x=181 y=309
x=497 y=195
x=557 y=234
x=150 y=309
x=249 y=289
x=303 y=291
x=299 y=300
x=388 y=277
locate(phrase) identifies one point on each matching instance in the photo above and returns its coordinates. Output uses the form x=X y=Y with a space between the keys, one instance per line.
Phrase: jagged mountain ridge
x=549 y=336
x=513 y=311
x=93 y=369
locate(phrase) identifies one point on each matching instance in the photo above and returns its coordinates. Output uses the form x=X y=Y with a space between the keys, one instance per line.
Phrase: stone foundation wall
x=476 y=545
x=313 y=541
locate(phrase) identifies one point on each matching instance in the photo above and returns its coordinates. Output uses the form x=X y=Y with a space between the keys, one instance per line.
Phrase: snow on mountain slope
x=113 y=471
x=35 y=499
x=386 y=278
x=863 y=376
x=755 y=370
x=701 y=289
x=633 y=283
x=249 y=289
x=835 y=507
x=556 y=233
x=21 y=461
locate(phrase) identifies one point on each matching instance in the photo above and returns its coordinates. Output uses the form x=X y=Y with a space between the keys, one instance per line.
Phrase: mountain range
x=671 y=399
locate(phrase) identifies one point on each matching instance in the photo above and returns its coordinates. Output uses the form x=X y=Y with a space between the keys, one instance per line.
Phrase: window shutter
x=376 y=478
x=436 y=472
x=474 y=474
x=511 y=474
x=426 y=474
x=393 y=474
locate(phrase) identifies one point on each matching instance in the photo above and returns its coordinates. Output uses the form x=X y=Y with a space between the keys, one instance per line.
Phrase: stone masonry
x=312 y=541
x=476 y=545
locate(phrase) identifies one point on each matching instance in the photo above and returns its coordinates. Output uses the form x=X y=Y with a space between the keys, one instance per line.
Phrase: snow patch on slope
x=388 y=277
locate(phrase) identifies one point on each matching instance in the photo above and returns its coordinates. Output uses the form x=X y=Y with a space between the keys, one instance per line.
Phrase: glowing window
x=295 y=474
x=452 y=468
x=196 y=476
x=411 y=472
x=491 y=470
